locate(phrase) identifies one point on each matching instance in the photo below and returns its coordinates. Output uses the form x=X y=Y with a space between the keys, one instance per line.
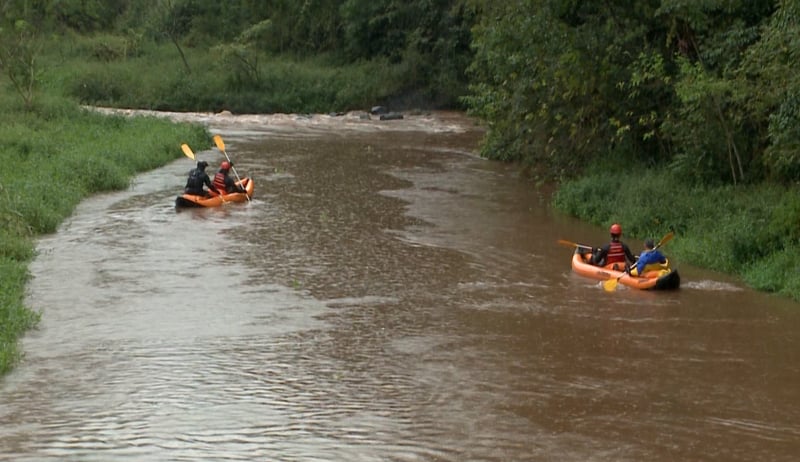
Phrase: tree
x=712 y=134
x=240 y=58
x=565 y=84
x=552 y=76
x=768 y=73
x=20 y=46
x=172 y=19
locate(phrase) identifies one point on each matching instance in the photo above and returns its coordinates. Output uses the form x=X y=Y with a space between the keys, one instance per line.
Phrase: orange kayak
x=655 y=277
x=192 y=200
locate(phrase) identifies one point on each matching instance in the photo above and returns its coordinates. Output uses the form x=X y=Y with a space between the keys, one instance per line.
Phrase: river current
x=388 y=295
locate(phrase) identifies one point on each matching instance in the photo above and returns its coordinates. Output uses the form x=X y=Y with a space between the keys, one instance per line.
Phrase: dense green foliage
x=707 y=88
x=288 y=85
x=704 y=88
x=363 y=53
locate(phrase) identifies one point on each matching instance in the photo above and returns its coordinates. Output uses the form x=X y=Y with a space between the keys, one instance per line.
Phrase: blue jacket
x=649 y=257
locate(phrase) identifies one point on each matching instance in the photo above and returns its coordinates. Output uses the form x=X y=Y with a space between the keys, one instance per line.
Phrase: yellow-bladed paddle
x=221 y=146
x=611 y=284
x=187 y=151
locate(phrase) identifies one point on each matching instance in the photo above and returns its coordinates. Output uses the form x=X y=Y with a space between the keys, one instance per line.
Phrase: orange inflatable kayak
x=192 y=200
x=655 y=277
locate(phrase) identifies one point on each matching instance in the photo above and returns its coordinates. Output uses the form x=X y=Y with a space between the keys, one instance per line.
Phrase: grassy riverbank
x=53 y=155
x=749 y=231
x=150 y=78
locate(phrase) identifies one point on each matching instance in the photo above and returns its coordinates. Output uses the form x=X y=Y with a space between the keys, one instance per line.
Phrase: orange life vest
x=219 y=182
x=616 y=253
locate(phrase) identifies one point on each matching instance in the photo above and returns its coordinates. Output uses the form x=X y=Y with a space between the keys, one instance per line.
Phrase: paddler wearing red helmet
x=615 y=252
x=224 y=182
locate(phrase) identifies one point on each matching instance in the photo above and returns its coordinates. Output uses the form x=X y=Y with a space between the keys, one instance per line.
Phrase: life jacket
x=219 y=182
x=616 y=253
x=195 y=181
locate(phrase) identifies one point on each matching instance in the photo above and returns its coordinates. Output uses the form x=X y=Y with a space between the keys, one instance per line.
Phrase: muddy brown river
x=386 y=296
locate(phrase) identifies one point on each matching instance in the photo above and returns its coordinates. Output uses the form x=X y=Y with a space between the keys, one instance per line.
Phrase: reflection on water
x=386 y=296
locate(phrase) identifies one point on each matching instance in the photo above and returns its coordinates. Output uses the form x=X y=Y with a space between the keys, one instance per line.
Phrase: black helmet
x=202 y=165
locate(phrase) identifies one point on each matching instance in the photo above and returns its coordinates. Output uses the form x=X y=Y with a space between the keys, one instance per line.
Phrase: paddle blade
x=187 y=151
x=666 y=239
x=610 y=285
x=218 y=141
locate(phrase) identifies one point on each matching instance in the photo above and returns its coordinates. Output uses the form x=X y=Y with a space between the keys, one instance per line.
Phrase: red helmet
x=225 y=165
x=615 y=229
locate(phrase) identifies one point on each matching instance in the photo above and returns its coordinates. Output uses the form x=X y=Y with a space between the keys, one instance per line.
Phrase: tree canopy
x=705 y=88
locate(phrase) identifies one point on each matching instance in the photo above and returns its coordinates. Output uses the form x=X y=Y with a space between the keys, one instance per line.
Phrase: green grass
x=156 y=79
x=54 y=154
x=749 y=231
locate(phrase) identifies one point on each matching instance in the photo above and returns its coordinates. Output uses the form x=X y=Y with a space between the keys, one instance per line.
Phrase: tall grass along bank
x=749 y=231
x=54 y=154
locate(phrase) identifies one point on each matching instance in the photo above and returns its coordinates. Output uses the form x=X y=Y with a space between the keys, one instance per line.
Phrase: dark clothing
x=224 y=182
x=613 y=252
x=194 y=184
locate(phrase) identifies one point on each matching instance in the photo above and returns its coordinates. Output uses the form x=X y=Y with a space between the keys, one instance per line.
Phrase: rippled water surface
x=387 y=296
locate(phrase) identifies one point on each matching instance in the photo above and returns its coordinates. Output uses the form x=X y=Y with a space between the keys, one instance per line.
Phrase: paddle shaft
x=221 y=145
x=611 y=284
x=574 y=244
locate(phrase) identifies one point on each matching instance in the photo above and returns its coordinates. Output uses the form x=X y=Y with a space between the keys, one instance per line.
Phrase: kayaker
x=649 y=256
x=224 y=182
x=615 y=252
x=197 y=178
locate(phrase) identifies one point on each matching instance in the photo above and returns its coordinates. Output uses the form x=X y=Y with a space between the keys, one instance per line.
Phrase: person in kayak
x=224 y=182
x=649 y=256
x=197 y=178
x=615 y=252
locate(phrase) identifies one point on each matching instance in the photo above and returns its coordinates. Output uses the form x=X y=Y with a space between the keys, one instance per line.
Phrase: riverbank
x=59 y=153
x=750 y=231
x=54 y=154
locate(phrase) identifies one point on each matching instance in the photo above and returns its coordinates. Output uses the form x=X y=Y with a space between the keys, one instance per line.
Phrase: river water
x=386 y=296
